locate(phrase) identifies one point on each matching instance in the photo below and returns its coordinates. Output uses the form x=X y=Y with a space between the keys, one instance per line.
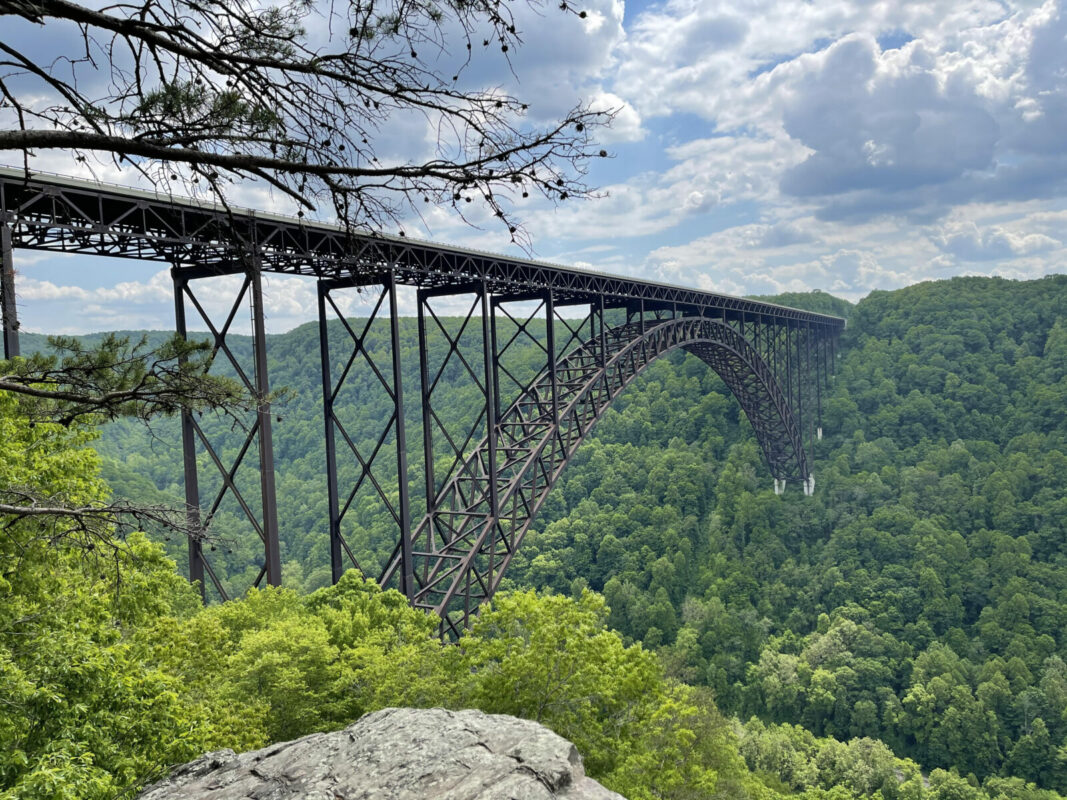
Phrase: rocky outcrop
x=397 y=754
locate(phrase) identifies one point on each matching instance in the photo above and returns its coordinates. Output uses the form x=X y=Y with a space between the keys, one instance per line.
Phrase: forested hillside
x=901 y=634
x=919 y=598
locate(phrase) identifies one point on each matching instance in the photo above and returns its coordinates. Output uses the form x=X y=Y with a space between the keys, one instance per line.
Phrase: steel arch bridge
x=487 y=475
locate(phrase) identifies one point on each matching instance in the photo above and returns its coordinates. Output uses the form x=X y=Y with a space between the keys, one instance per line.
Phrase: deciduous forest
x=902 y=634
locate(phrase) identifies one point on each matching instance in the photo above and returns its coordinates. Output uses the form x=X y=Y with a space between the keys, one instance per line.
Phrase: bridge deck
x=49 y=212
x=775 y=360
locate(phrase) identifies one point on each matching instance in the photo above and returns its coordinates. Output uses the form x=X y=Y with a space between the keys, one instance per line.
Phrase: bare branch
x=91 y=528
x=232 y=91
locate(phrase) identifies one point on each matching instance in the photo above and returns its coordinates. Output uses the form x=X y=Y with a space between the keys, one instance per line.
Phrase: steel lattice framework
x=486 y=475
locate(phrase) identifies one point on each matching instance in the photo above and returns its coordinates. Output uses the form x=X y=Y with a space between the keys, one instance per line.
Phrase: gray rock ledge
x=397 y=754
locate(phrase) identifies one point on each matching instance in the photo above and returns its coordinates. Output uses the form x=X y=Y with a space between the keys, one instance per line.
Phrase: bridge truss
x=486 y=474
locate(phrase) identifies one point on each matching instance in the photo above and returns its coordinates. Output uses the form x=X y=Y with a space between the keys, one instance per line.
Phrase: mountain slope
x=919 y=598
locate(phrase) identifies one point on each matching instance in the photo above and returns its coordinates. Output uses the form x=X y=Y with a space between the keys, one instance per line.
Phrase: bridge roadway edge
x=49 y=212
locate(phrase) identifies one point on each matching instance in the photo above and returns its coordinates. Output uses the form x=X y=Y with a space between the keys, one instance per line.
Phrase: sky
x=758 y=147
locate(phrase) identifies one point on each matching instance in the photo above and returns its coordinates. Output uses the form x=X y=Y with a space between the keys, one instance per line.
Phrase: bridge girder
x=480 y=498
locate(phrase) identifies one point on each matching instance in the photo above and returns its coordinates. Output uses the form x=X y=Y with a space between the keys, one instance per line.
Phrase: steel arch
x=462 y=547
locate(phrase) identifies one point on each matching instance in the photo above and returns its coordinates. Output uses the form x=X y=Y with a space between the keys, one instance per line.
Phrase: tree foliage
x=83 y=714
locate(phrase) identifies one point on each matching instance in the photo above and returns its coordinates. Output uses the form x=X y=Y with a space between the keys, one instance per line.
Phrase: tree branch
x=118 y=379
x=234 y=91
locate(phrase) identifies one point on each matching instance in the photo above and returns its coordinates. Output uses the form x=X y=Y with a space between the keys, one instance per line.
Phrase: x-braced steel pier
x=496 y=429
